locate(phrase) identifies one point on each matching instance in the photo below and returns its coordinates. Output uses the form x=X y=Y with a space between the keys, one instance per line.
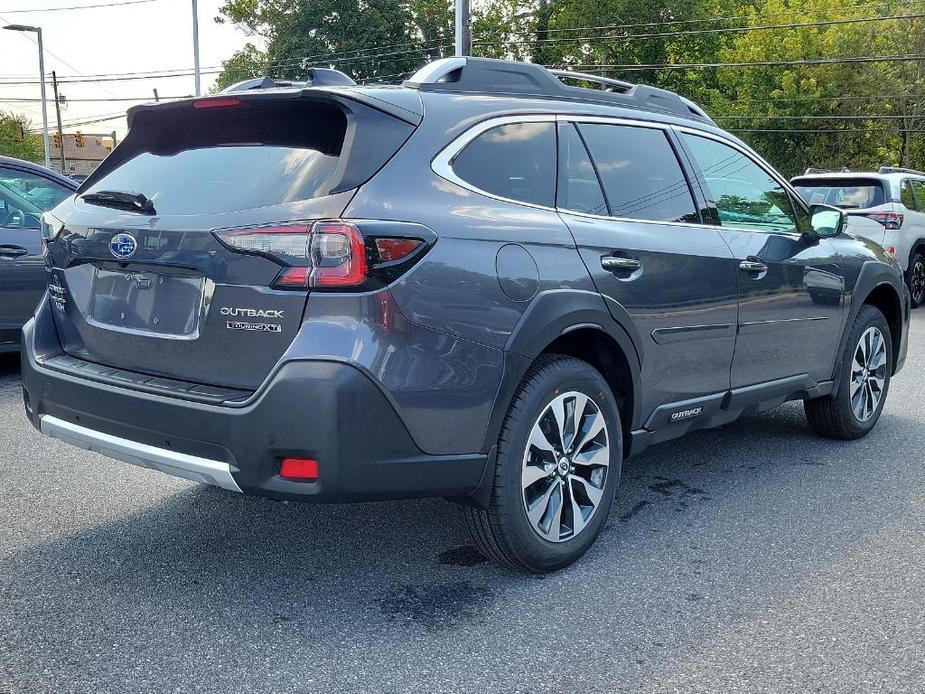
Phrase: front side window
x=516 y=161
x=24 y=196
x=640 y=173
x=745 y=196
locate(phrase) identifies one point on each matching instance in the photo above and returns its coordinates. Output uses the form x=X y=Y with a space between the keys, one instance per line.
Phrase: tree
x=17 y=141
x=368 y=39
x=821 y=112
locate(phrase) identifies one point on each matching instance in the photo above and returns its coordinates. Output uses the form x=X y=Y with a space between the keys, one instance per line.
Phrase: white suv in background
x=887 y=206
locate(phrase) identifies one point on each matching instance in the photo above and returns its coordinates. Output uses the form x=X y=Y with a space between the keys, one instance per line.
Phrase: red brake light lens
x=299 y=469
x=219 y=102
x=338 y=255
x=396 y=249
x=892 y=221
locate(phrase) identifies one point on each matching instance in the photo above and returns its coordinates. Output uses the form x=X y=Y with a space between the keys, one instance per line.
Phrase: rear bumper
x=326 y=410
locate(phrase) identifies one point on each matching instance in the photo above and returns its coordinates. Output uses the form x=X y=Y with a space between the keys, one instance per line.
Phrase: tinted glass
x=24 y=196
x=845 y=193
x=232 y=160
x=515 y=161
x=906 y=196
x=640 y=172
x=579 y=189
x=918 y=188
x=746 y=197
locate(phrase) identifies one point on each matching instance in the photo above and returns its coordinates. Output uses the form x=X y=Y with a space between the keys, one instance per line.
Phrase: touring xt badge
x=236 y=312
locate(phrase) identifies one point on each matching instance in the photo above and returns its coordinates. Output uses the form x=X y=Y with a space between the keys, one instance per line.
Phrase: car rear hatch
x=866 y=202
x=176 y=257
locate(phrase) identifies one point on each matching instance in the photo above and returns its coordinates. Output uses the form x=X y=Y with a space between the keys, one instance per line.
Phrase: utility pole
x=54 y=85
x=38 y=33
x=463 y=31
x=196 y=46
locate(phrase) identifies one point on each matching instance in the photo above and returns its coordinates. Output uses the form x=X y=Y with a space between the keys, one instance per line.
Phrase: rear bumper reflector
x=173 y=463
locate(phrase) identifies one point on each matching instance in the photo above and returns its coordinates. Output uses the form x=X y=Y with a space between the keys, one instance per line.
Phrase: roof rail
x=814 y=170
x=594 y=79
x=316 y=77
x=899 y=169
x=492 y=76
x=259 y=83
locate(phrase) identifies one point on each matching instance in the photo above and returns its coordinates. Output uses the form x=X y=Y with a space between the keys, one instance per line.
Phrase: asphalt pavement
x=754 y=558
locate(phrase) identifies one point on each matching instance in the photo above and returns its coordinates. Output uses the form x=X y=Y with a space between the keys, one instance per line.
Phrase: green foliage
x=16 y=140
x=368 y=39
x=797 y=115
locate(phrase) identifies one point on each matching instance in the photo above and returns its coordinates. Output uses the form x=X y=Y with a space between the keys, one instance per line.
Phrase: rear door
x=629 y=205
x=24 y=195
x=187 y=257
x=791 y=286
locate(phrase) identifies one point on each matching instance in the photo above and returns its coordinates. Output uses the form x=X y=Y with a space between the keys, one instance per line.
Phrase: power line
x=811 y=131
x=700 y=32
x=80 y=7
x=757 y=63
x=762 y=116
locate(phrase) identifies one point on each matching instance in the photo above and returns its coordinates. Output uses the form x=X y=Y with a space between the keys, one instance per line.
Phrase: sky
x=151 y=35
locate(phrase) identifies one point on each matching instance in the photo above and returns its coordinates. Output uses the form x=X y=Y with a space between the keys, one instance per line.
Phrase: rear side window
x=918 y=187
x=640 y=173
x=516 y=161
x=261 y=153
x=846 y=193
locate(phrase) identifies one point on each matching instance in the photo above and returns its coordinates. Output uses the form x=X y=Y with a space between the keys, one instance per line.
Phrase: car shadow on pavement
x=718 y=508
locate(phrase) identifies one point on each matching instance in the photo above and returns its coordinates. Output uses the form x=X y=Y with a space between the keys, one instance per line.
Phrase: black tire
x=503 y=532
x=833 y=416
x=915 y=279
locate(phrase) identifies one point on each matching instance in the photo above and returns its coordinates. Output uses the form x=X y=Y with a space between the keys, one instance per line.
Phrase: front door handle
x=12 y=251
x=753 y=266
x=614 y=262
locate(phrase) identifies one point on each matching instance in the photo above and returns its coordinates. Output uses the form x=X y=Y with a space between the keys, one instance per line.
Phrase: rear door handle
x=614 y=262
x=12 y=251
x=753 y=266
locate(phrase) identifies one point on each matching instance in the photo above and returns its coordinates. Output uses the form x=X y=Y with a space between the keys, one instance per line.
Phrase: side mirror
x=826 y=221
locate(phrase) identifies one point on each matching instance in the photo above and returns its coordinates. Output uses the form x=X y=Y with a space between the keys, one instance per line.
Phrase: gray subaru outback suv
x=483 y=284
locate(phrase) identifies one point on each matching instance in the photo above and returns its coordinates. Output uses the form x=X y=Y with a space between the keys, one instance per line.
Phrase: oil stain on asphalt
x=438 y=606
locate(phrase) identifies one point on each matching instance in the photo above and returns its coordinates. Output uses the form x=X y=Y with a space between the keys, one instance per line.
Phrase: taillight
x=335 y=255
x=338 y=255
x=892 y=221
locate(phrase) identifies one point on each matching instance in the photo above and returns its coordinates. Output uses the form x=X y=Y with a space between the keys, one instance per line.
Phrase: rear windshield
x=842 y=192
x=227 y=160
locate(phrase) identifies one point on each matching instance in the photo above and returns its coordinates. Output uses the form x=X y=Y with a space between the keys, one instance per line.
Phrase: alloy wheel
x=868 y=374
x=565 y=467
x=917 y=283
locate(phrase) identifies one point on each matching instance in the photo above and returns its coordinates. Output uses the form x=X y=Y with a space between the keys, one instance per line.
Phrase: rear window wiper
x=132 y=202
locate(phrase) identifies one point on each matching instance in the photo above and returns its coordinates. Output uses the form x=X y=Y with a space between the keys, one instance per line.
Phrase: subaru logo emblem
x=123 y=246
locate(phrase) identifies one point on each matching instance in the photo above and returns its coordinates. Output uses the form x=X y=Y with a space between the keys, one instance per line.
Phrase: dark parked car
x=26 y=190
x=484 y=284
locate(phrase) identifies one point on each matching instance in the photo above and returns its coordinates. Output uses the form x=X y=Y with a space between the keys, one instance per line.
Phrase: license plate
x=152 y=303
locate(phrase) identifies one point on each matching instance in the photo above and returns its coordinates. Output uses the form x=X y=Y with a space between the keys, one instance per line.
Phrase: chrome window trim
x=442 y=164
x=760 y=163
